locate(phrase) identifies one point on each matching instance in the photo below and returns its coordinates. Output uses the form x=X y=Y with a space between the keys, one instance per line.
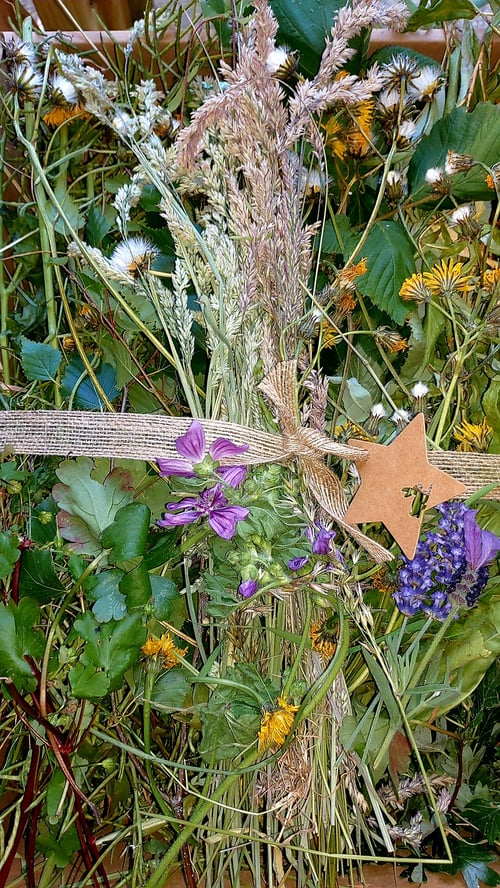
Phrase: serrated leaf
x=9 y=552
x=486 y=817
x=475 y=133
x=127 y=536
x=18 y=639
x=389 y=258
x=88 y=506
x=77 y=384
x=440 y=11
x=472 y=861
x=39 y=361
x=60 y=848
x=38 y=578
x=110 y=603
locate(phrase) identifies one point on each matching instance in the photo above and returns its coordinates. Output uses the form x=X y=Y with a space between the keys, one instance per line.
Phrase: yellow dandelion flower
x=447 y=278
x=414 y=289
x=358 y=136
x=390 y=339
x=473 y=437
x=324 y=637
x=164 y=647
x=491 y=279
x=335 y=143
x=275 y=725
x=489 y=181
x=382 y=582
x=352 y=271
x=58 y=114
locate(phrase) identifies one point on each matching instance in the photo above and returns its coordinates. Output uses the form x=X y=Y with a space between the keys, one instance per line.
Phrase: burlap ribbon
x=142 y=436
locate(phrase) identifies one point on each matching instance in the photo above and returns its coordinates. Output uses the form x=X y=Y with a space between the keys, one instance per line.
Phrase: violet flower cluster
x=196 y=461
x=450 y=567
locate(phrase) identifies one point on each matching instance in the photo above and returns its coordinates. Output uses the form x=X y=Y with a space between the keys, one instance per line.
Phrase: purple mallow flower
x=319 y=537
x=481 y=546
x=449 y=569
x=192 y=450
x=248 y=588
x=211 y=504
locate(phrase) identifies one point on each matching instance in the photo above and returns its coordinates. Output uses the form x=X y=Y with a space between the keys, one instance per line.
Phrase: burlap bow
x=142 y=436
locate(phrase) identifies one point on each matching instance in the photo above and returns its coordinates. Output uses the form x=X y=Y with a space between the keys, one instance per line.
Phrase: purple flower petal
x=481 y=546
x=248 y=588
x=321 y=543
x=192 y=445
x=224 y=521
x=233 y=475
x=175 y=467
x=297 y=563
x=186 y=517
x=184 y=503
x=223 y=448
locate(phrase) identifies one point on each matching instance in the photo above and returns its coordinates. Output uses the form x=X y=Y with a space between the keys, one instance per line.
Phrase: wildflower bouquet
x=256 y=270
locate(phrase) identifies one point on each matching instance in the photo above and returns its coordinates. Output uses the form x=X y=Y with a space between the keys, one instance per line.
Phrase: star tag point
x=398 y=484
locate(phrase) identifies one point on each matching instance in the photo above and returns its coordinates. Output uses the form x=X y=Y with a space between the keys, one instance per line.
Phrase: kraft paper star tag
x=398 y=483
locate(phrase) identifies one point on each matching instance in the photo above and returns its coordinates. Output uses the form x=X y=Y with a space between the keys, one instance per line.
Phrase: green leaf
x=77 y=384
x=19 y=639
x=486 y=816
x=491 y=406
x=171 y=691
x=9 y=552
x=472 y=861
x=39 y=361
x=440 y=11
x=88 y=682
x=127 y=536
x=164 y=595
x=38 y=577
x=110 y=649
x=61 y=847
x=357 y=401
x=88 y=506
x=69 y=208
x=305 y=26
x=97 y=226
x=389 y=258
x=136 y=586
x=475 y=133
x=110 y=603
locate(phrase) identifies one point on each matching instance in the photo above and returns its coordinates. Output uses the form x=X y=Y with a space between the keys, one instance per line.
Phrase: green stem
x=4 y=292
x=300 y=650
x=146 y=727
x=196 y=818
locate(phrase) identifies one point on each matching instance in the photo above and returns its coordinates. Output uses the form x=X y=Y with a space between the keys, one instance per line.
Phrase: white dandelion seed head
x=389 y=98
x=277 y=58
x=462 y=214
x=434 y=175
x=419 y=390
x=394 y=178
x=62 y=88
x=133 y=255
x=407 y=131
x=27 y=81
x=427 y=82
x=378 y=411
x=401 y=417
x=19 y=51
